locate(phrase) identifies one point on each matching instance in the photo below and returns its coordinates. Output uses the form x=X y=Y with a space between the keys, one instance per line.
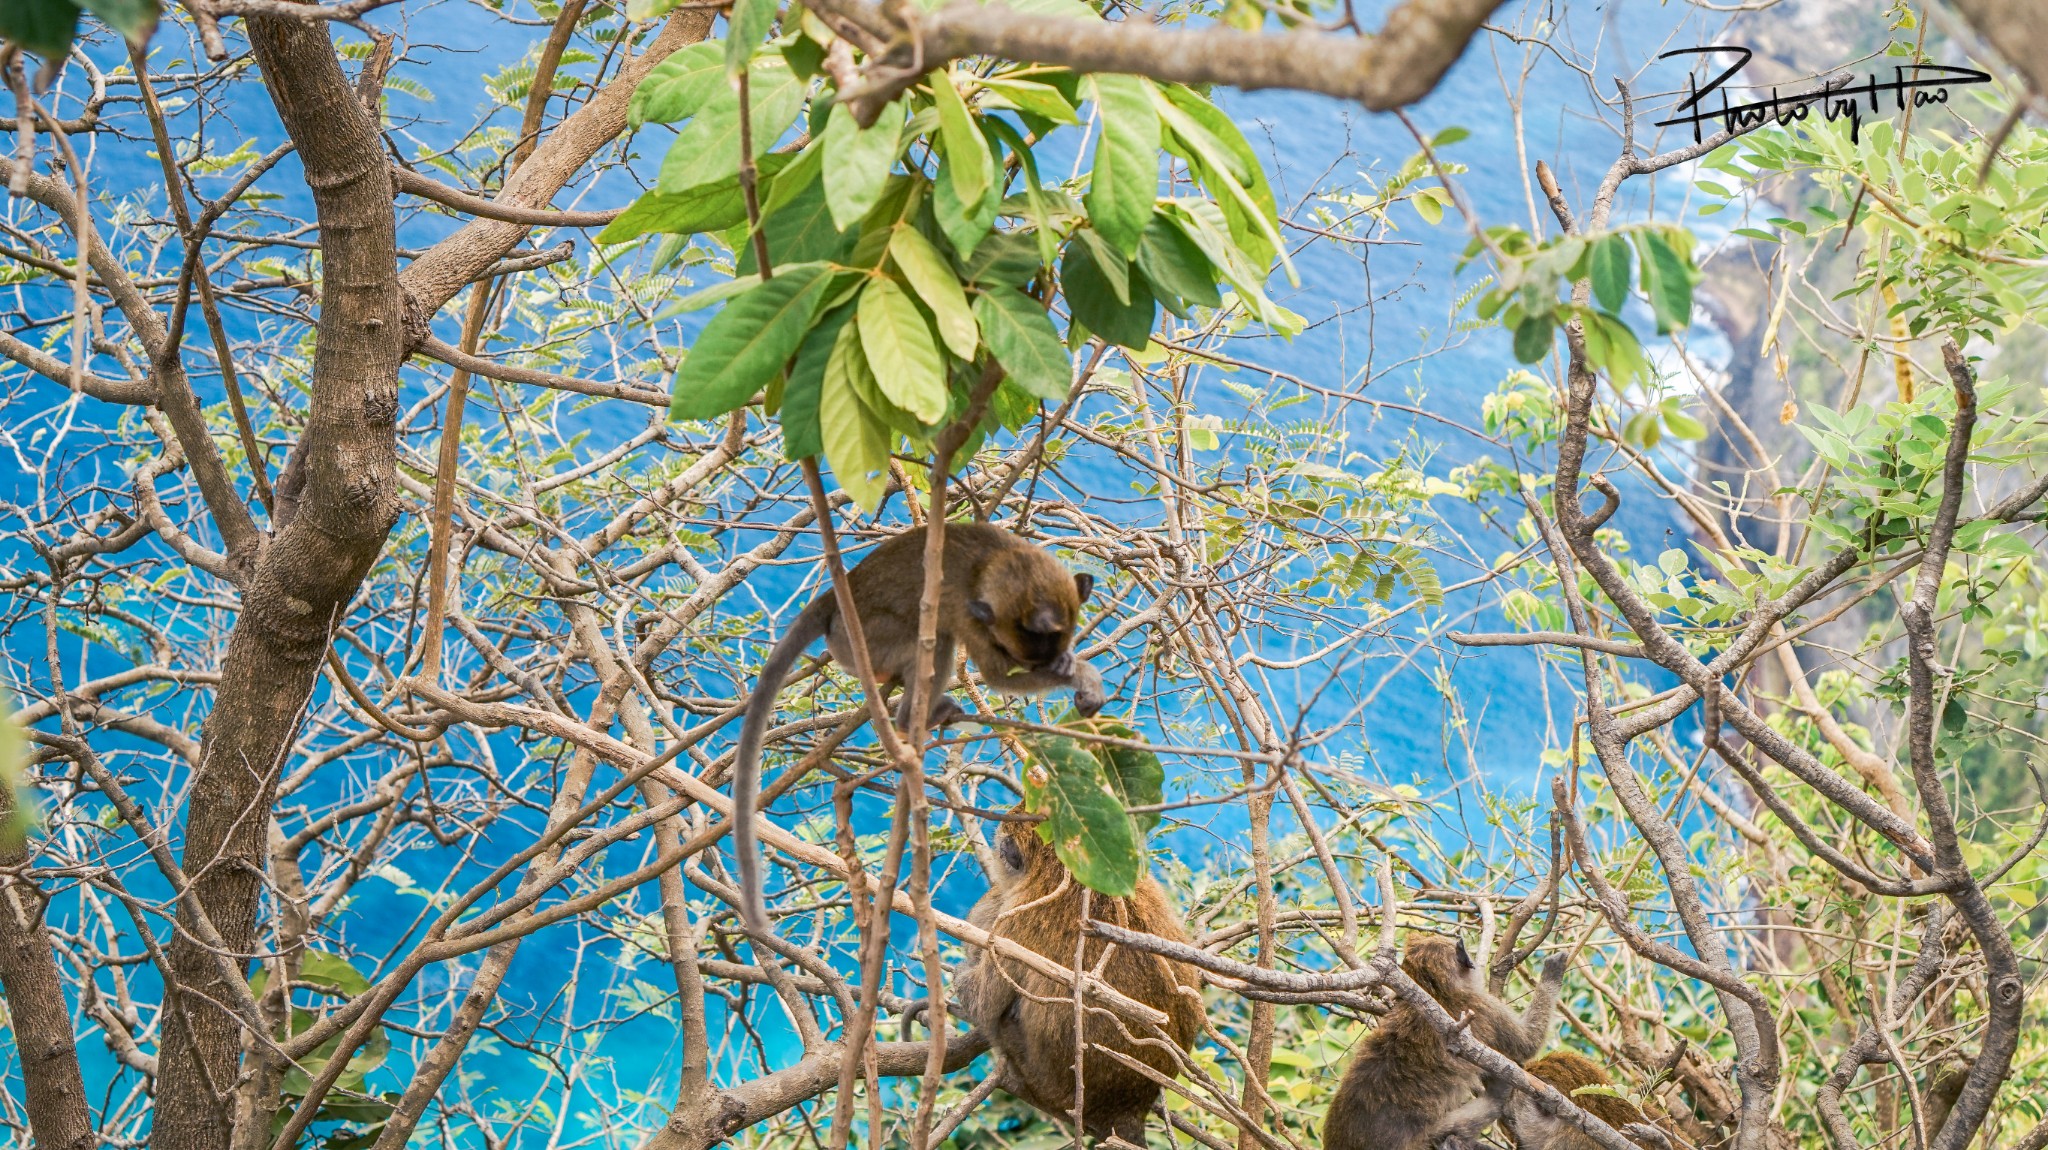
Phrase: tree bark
x=302 y=584
x=57 y=1113
x=344 y=500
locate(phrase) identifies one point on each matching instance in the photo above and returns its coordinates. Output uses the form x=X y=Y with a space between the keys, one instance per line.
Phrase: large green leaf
x=332 y=973
x=857 y=160
x=45 y=27
x=936 y=284
x=1176 y=267
x=855 y=443
x=963 y=227
x=1093 y=301
x=1227 y=166
x=966 y=149
x=677 y=87
x=1610 y=260
x=1021 y=337
x=1125 y=178
x=1668 y=276
x=706 y=208
x=748 y=22
x=901 y=352
x=1085 y=822
x=746 y=344
x=709 y=149
x=1137 y=777
x=133 y=19
x=798 y=230
x=806 y=386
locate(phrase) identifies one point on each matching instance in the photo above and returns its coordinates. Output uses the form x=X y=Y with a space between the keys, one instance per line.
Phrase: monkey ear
x=981 y=611
x=1084 y=583
x=1464 y=959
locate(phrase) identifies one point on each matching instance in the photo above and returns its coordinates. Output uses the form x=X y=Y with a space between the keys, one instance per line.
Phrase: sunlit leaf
x=709 y=207
x=966 y=150
x=936 y=284
x=1136 y=777
x=857 y=161
x=709 y=149
x=679 y=86
x=749 y=21
x=901 y=352
x=853 y=439
x=1125 y=178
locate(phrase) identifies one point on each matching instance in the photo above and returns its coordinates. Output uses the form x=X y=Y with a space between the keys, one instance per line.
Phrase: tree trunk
x=303 y=583
x=57 y=1114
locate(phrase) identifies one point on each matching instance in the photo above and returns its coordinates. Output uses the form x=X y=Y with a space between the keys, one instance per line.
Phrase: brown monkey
x=1405 y=1090
x=1029 y=1018
x=1566 y=1071
x=1012 y=604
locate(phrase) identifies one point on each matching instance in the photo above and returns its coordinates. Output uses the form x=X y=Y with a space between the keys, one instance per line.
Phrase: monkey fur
x=1566 y=1071
x=1404 y=1089
x=1012 y=604
x=1029 y=1018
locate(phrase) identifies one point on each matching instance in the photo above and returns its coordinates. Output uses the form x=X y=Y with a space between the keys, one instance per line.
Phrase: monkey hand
x=1063 y=666
x=1554 y=966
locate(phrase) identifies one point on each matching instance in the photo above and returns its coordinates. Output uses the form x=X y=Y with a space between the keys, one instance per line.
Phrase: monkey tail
x=809 y=627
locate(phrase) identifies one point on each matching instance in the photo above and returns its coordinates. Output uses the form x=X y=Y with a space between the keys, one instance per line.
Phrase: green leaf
x=1125 y=178
x=1176 y=267
x=1137 y=778
x=133 y=19
x=45 y=27
x=1085 y=824
x=1229 y=168
x=964 y=227
x=746 y=344
x=854 y=441
x=936 y=284
x=799 y=231
x=1094 y=304
x=711 y=207
x=966 y=149
x=748 y=22
x=332 y=973
x=1683 y=426
x=1113 y=264
x=1953 y=717
x=1611 y=265
x=806 y=385
x=709 y=149
x=1532 y=338
x=1021 y=337
x=1033 y=98
x=1671 y=561
x=857 y=161
x=901 y=352
x=679 y=86
x=1428 y=204
x=1668 y=277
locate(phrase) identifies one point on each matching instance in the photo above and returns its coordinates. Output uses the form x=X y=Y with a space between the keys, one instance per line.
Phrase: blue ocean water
x=1383 y=326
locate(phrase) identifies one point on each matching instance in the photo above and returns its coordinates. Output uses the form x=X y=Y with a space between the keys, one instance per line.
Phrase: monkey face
x=1441 y=966
x=1036 y=628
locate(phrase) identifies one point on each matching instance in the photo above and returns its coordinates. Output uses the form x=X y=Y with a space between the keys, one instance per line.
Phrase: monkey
x=1029 y=1018
x=1012 y=604
x=1566 y=1071
x=1404 y=1090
